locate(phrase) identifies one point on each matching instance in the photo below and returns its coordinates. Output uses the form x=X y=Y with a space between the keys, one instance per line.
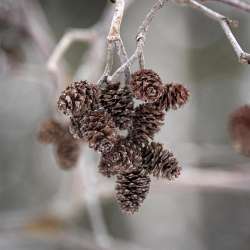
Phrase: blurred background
x=43 y=207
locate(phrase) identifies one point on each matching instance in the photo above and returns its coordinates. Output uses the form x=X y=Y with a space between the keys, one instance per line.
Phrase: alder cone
x=160 y=162
x=97 y=127
x=147 y=121
x=131 y=190
x=77 y=98
x=67 y=153
x=105 y=167
x=175 y=96
x=134 y=152
x=50 y=131
x=124 y=157
x=239 y=129
x=119 y=103
x=146 y=85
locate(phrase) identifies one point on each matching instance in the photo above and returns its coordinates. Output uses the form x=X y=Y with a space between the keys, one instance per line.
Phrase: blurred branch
x=237 y=179
x=38 y=26
x=225 y=23
x=40 y=31
x=71 y=36
x=87 y=174
x=238 y=4
x=212 y=179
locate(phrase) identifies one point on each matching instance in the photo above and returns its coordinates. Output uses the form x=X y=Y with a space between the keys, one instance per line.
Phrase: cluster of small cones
x=99 y=113
x=67 y=149
x=239 y=128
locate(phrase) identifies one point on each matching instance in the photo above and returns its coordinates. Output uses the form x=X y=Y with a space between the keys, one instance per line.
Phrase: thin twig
x=210 y=179
x=141 y=59
x=238 y=4
x=37 y=25
x=113 y=35
x=109 y=62
x=123 y=58
x=225 y=23
x=115 y=27
x=114 y=39
x=141 y=38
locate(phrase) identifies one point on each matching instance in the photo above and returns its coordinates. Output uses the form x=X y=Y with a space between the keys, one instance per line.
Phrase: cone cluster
x=239 y=128
x=99 y=113
x=67 y=149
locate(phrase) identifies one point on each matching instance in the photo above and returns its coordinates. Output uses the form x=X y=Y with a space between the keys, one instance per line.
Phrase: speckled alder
x=98 y=113
x=106 y=117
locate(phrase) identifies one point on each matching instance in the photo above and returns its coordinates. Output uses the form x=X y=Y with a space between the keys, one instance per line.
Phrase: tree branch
x=123 y=58
x=115 y=27
x=71 y=36
x=238 y=4
x=141 y=38
x=225 y=23
x=114 y=39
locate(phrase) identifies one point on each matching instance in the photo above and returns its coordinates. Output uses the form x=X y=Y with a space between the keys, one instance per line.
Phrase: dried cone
x=119 y=103
x=77 y=98
x=105 y=168
x=175 y=96
x=67 y=148
x=97 y=127
x=124 y=157
x=239 y=128
x=147 y=121
x=50 y=131
x=131 y=190
x=67 y=152
x=146 y=85
x=160 y=162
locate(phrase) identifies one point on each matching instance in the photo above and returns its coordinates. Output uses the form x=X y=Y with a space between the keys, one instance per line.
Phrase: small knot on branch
x=245 y=58
x=234 y=23
x=140 y=37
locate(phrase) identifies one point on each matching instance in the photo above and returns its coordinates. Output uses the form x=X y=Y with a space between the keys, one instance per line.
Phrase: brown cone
x=175 y=96
x=119 y=103
x=146 y=85
x=97 y=127
x=239 y=128
x=67 y=152
x=147 y=121
x=50 y=131
x=160 y=162
x=124 y=157
x=105 y=167
x=131 y=190
x=77 y=98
